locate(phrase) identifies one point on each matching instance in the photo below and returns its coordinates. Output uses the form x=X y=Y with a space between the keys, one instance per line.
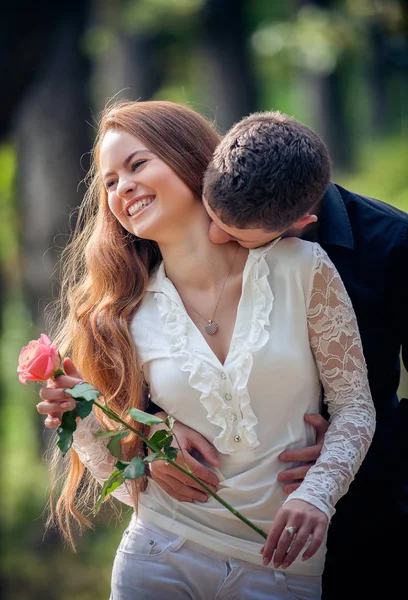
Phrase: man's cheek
x=217 y=236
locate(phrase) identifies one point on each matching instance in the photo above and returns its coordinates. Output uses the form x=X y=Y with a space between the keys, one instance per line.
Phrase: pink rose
x=38 y=361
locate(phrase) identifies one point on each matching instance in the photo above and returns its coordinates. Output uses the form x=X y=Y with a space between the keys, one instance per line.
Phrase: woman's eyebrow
x=127 y=160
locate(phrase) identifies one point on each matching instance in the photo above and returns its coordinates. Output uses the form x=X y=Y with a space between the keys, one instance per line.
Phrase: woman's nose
x=126 y=188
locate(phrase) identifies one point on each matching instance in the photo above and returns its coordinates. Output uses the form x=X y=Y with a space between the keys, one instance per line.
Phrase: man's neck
x=310 y=232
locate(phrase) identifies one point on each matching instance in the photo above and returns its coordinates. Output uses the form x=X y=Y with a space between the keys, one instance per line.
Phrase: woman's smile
x=139 y=205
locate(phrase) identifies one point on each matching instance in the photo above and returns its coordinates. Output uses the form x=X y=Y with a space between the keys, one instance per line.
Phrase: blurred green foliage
x=8 y=213
x=381 y=172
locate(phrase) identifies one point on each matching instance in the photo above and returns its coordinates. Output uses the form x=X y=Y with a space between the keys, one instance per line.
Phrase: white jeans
x=152 y=564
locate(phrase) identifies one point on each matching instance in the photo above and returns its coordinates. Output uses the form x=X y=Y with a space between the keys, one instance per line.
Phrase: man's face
x=219 y=233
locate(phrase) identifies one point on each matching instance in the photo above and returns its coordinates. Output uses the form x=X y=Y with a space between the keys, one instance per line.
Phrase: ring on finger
x=290 y=530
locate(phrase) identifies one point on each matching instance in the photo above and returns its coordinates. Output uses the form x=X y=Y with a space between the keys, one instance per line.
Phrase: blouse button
x=223 y=375
x=228 y=397
x=237 y=438
x=233 y=417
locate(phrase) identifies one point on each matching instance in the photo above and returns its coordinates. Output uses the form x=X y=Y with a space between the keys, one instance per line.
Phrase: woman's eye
x=109 y=184
x=137 y=164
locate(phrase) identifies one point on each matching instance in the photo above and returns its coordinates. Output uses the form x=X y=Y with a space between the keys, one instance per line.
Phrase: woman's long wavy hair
x=104 y=271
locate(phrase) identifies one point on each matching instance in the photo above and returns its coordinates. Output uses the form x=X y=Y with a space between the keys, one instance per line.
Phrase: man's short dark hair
x=267 y=172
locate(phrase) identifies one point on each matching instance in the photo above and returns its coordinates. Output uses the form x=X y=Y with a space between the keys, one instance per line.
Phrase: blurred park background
x=339 y=66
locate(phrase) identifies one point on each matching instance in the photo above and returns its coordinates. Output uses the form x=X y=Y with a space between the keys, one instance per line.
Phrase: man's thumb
x=70 y=369
x=207 y=450
x=319 y=423
x=314 y=419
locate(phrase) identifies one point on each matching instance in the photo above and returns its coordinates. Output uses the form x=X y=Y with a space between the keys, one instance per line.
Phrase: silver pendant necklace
x=212 y=326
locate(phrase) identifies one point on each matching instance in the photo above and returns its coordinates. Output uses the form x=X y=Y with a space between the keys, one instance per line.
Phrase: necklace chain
x=212 y=326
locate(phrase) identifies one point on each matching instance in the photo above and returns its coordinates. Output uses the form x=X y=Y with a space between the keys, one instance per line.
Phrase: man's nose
x=217 y=235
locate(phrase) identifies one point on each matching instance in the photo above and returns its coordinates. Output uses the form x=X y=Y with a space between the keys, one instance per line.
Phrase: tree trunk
x=328 y=115
x=129 y=70
x=26 y=30
x=328 y=112
x=378 y=80
x=224 y=44
x=52 y=137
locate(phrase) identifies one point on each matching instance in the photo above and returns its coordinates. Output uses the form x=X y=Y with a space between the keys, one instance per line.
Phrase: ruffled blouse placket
x=223 y=388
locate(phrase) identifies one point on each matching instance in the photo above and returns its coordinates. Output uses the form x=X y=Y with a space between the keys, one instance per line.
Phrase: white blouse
x=295 y=343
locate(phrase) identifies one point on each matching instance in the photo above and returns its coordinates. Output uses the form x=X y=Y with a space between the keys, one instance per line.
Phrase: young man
x=258 y=187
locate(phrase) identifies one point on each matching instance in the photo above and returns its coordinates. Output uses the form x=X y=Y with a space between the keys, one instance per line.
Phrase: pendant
x=211 y=328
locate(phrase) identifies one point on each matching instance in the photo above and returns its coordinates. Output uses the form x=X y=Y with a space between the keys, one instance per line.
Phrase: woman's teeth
x=138 y=206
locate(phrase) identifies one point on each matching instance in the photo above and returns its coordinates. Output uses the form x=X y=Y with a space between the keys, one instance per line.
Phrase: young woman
x=234 y=343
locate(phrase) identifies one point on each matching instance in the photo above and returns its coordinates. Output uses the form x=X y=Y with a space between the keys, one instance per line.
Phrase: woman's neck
x=195 y=261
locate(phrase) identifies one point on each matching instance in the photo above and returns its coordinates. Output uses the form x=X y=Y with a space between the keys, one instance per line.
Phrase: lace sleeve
x=96 y=457
x=336 y=345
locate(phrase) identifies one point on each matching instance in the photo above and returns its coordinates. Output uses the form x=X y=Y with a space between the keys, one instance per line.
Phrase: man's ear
x=303 y=221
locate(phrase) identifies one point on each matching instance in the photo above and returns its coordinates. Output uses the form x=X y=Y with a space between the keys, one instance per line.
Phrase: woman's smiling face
x=144 y=193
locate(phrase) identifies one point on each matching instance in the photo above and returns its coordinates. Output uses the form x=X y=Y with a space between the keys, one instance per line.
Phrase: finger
x=297 y=543
x=179 y=491
x=62 y=382
x=53 y=395
x=201 y=471
x=164 y=471
x=54 y=408
x=70 y=369
x=282 y=547
x=291 y=487
x=173 y=493
x=308 y=454
x=294 y=474
x=272 y=539
x=316 y=541
x=320 y=424
x=203 y=446
x=52 y=422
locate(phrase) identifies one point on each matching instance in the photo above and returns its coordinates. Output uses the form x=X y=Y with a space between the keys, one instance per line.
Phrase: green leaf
x=83 y=391
x=171 y=453
x=159 y=438
x=143 y=417
x=65 y=439
x=107 y=434
x=114 y=445
x=151 y=457
x=122 y=464
x=66 y=429
x=84 y=408
x=135 y=469
x=168 y=442
x=110 y=485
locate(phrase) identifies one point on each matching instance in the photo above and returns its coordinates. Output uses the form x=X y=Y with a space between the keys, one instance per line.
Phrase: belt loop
x=230 y=565
x=177 y=544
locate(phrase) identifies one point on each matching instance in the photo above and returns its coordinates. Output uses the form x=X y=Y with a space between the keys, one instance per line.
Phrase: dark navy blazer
x=367 y=240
